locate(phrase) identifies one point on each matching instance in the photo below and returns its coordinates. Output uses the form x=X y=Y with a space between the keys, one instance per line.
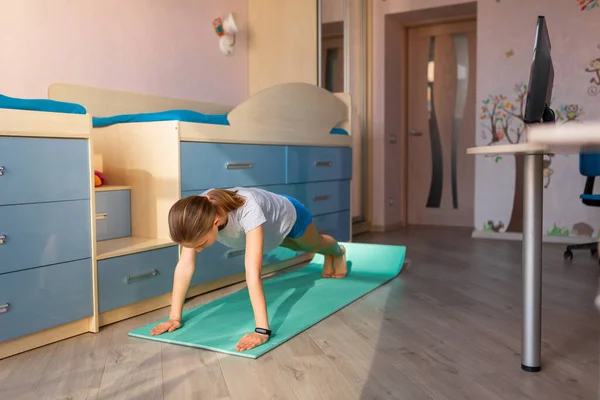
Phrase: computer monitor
x=541 y=78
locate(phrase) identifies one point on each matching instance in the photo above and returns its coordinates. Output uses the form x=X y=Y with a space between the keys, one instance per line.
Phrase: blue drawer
x=44 y=233
x=36 y=170
x=319 y=197
x=336 y=225
x=113 y=214
x=43 y=298
x=217 y=261
x=135 y=277
x=311 y=164
x=204 y=165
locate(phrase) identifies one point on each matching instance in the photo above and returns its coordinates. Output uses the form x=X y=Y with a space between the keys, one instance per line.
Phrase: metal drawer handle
x=239 y=165
x=1 y=170
x=323 y=164
x=4 y=308
x=321 y=198
x=2 y=239
x=101 y=216
x=146 y=275
x=235 y=253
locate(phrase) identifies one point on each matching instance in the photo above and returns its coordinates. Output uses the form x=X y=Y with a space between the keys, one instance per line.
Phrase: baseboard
x=387 y=228
x=358 y=228
x=43 y=338
x=517 y=236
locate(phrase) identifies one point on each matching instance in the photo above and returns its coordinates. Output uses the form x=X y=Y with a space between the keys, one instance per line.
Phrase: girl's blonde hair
x=192 y=217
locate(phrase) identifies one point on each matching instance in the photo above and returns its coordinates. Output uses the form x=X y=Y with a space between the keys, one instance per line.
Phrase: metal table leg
x=532 y=263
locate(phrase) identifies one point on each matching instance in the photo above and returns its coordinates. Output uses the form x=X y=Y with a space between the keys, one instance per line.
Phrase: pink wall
x=572 y=34
x=151 y=46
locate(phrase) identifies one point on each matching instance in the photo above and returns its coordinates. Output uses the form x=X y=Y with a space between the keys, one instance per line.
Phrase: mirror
x=342 y=41
x=332 y=68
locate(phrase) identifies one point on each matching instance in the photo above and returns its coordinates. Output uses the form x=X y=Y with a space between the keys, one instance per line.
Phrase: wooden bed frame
x=25 y=123
x=290 y=113
x=268 y=117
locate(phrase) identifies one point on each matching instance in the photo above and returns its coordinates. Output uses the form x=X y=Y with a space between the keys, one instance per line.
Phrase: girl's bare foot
x=328 y=270
x=339 y=263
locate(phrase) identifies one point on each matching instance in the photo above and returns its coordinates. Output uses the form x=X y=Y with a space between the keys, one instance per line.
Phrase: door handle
x=235 y=253
x=239 y=165
x=149 y=274
x=415 y=133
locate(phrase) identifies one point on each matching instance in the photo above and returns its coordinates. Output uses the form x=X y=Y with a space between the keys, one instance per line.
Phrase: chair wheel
x=568 y=255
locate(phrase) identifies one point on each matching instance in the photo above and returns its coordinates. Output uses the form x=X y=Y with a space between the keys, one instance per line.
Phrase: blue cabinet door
x=218 y=261
x=113 y=214
x=135 y=277
x=43 y=298
x=34 y=170
x=44 y=233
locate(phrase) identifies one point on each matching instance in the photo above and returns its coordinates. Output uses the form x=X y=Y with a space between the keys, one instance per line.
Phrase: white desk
x=568 y=138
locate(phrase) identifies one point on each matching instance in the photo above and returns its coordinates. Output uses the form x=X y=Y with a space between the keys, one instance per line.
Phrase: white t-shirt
x=276 y=213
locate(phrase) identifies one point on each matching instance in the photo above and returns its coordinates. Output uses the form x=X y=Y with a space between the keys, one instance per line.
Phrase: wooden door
x=441 y=124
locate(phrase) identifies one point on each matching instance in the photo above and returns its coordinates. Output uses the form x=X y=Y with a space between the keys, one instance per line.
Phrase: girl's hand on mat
x=169 y=325
x=251 y=340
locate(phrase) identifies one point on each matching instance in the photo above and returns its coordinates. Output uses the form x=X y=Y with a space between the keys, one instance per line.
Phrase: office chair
x=589 y=166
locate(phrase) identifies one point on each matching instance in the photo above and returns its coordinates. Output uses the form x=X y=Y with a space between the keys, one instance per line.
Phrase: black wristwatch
x=263 y=331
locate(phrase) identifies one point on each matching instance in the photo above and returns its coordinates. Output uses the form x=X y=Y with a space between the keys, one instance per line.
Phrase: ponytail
x=228 y=200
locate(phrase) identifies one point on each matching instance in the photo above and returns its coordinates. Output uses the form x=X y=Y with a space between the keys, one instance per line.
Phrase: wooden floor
x=447 y=328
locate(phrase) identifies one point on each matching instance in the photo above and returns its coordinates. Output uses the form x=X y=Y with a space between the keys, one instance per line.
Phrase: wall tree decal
x=502 y=121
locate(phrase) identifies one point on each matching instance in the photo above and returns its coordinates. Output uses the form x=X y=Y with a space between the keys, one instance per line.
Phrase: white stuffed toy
x=226 y=30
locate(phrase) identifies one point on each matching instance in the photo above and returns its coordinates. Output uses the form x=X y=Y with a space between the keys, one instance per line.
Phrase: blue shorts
x=303 y=218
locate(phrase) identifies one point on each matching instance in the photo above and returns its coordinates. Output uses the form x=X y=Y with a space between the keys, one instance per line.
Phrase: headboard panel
x=106 y=102
x=295 y=106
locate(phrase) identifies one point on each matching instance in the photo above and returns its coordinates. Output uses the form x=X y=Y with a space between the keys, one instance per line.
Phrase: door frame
x=400 y=30
x=437 y=28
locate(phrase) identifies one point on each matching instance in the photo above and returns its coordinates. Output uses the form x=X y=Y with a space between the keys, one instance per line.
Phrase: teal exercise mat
x=295 y=301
